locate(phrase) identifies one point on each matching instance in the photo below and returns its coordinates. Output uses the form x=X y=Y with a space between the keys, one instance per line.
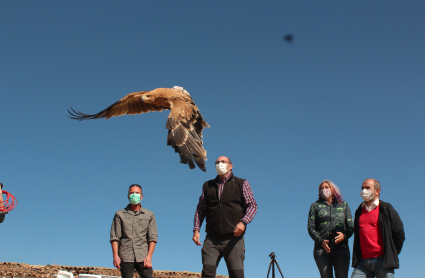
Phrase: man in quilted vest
x=228 y=205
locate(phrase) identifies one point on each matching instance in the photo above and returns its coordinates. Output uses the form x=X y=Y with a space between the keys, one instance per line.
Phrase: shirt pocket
x=142 y=226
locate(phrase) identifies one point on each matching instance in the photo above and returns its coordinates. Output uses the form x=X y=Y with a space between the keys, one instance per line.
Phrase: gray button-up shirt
x=133 y=230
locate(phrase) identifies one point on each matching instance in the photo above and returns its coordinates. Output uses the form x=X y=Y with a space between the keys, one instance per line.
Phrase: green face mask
x=135 y=198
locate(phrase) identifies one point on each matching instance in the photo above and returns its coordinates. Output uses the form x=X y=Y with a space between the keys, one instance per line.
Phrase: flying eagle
x=184 y=124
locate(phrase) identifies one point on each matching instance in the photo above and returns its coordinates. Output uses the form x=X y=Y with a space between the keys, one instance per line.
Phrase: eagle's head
x=148 y=98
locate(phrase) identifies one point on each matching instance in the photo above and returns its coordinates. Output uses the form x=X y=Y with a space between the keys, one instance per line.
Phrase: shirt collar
x=128 y=209
x=372 y=206
x=225 y=178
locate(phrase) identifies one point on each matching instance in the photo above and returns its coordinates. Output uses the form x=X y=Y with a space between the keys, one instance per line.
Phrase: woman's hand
x=325 y=246
x=339 y=238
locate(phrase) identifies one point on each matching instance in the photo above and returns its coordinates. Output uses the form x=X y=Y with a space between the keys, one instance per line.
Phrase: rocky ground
x=46 y=271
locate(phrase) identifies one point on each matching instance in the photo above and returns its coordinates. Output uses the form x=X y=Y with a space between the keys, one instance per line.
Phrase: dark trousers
x=338 y=258
x=127 y=270
x=231 y=248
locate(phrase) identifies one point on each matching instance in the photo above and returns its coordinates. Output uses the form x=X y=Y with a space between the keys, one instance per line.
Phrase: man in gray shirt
x=134 y=236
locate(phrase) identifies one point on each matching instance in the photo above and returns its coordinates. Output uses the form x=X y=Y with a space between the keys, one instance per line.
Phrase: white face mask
x=367 y=195
x=221 y=168
x=325 y=193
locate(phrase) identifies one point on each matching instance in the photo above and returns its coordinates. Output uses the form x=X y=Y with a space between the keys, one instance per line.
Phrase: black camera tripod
x=272 y=262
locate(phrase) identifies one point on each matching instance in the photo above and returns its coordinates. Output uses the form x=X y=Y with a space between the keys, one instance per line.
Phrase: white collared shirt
x=372 y=206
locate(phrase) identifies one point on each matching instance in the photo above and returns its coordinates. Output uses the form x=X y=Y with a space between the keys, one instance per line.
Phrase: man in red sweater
x=378 y=235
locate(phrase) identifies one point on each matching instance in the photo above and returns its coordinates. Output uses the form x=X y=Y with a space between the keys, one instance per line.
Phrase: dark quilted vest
x=223 y=215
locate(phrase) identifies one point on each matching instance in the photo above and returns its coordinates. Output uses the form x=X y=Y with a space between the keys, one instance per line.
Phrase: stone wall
x=46 y=271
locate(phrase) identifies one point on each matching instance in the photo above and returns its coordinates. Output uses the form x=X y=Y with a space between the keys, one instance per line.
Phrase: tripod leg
x=268 y=272
x=279 y=269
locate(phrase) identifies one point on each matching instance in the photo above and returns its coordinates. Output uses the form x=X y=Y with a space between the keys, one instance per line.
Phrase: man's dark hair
x=137 y=186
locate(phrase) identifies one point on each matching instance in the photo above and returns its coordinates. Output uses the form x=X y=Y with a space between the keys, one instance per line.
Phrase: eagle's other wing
x=131 y=104
x=185 y=124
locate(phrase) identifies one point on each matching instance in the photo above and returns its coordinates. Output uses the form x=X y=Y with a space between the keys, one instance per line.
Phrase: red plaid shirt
x=251 y=205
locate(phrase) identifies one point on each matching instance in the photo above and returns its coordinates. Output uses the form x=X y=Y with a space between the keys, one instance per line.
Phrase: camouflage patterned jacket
x=324 y=219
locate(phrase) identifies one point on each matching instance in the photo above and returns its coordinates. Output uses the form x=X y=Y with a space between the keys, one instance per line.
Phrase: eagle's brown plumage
x=185 y=122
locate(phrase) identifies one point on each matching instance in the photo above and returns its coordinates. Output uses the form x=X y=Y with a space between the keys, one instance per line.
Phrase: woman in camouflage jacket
x=330 y=225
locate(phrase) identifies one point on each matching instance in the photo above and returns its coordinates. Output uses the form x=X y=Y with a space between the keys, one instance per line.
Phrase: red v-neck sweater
x=370 y=234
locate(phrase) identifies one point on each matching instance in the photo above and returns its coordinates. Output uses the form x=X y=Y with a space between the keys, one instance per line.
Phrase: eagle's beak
x=142 y=98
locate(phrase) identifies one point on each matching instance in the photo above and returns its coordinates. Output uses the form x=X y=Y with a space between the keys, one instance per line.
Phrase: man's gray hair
x=377 y=185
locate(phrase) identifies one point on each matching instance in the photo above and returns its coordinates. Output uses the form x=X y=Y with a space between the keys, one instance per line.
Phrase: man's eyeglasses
x=222 y=161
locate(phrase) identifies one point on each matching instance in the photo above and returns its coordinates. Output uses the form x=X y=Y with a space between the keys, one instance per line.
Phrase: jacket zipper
x=330 y=221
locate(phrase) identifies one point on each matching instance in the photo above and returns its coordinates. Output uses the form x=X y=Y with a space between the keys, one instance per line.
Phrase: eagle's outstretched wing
x=131 y=104
x=185 y=122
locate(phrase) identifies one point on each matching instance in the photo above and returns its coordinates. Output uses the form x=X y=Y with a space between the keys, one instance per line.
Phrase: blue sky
x=344 y=102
